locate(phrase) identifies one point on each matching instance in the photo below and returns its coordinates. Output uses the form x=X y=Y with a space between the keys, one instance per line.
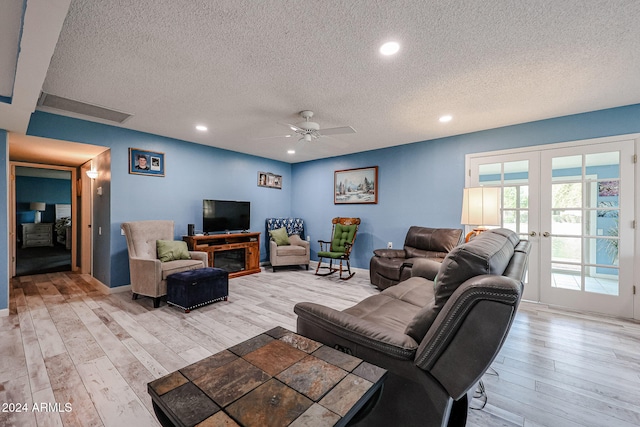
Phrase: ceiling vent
x=77 y=107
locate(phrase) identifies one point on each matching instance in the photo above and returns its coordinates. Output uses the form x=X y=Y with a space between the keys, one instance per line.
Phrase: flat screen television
x=225 y=215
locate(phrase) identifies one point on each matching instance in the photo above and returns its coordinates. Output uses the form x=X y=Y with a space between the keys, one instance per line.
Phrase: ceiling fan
x=309 y=130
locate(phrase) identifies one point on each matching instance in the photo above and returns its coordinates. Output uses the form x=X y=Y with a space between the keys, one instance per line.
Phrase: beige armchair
x=148 y=274
x=296 y=251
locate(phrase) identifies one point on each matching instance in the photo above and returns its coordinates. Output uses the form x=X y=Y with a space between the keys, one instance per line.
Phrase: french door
x=574 y=202
x=518 y=176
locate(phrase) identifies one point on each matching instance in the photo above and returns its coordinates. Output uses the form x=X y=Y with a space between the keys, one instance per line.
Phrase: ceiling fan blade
x=273 y=137
x=292 y=127
x=336 y=131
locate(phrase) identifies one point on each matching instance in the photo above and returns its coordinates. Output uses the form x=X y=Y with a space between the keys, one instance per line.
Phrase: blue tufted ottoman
x=195 y=288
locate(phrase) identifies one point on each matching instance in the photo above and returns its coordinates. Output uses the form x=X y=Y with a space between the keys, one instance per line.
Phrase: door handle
x=546 y=234
x=532 y=234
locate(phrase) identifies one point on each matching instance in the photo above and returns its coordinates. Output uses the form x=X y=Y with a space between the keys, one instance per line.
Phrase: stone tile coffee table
x=277 y=378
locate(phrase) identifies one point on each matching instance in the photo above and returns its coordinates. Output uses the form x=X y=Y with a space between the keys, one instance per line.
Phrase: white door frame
x=636 y=149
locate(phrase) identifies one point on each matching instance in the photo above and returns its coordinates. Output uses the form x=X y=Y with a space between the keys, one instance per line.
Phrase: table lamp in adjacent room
x=38 y=207
x=480 y=208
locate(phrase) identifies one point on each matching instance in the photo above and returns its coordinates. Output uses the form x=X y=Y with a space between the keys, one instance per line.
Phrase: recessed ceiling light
x=445 y=119
x=389 y=48
x=202 y=128
x=291 y=152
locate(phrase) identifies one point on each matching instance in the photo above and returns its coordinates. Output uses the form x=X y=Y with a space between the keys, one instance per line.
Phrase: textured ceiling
x=243 y=67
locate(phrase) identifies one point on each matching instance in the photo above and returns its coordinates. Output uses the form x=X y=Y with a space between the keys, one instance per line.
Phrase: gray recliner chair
x=435 y=336
x=388 y=267
x=148 y=274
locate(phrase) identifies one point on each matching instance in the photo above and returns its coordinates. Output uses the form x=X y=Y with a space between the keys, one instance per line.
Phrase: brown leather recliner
x=388 y=267
x=435 y=337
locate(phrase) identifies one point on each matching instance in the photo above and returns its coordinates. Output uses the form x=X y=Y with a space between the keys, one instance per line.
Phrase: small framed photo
x=356 y=186
x=142 y=162
x=269 y=180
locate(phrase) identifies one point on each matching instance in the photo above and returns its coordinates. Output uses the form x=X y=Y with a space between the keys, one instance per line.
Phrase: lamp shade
x=37 y=206
x=481 y=206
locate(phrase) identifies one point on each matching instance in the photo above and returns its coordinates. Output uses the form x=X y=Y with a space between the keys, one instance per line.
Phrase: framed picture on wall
x=356 y=186
x=142 y=162
x=270 y=180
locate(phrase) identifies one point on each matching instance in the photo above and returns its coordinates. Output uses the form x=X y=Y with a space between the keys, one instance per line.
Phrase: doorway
x=575 y=203
x=42 y=208
x=52 y=154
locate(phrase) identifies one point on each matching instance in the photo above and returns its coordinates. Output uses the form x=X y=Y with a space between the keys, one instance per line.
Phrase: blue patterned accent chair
x=294 y=250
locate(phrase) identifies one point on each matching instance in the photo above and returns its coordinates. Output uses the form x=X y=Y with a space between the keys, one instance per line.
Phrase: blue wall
x=193 y=172
x=421 y=183
x=33 y=189
x=4 y=223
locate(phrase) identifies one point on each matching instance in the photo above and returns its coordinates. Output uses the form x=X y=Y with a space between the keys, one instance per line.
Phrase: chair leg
x=350 y=274
x=156 y=302
x=330 y=267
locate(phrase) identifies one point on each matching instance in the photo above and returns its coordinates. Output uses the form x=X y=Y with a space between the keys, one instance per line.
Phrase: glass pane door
x=514 y=175
x=582 y=208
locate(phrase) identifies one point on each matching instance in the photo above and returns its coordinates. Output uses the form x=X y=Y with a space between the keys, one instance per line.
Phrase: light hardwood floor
x=66 y=343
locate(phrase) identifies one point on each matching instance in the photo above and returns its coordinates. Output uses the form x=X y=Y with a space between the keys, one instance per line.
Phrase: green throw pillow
x=171 y=250
x=280 y=236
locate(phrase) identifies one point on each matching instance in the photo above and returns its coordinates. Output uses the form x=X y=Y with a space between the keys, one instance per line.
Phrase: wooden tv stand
x=229 y=247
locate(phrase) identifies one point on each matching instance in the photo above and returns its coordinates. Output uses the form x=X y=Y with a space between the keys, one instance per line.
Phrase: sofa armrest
x=199 y=255
x=469 y=331
x=425 y=267
x=295 y=239
x=145 y=275
x=390 y=253
x=391 y=343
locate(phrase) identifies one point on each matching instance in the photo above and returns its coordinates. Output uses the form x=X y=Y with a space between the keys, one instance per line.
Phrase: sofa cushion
x=424 y=241
x=342 y=234
x=415 y=290
x=291 y=250
x=177 y=266
x=171 y=250
x=384 y=311
x=489 y=253
x=293 y=225
x=280 y=236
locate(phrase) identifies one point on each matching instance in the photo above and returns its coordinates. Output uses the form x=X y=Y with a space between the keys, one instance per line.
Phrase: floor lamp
x=480 y=208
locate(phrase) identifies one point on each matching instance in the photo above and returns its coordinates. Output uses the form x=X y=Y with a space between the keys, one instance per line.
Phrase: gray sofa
x=389 y=267
x=436 y=332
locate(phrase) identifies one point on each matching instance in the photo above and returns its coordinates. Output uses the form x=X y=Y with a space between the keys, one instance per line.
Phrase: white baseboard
x=106 y=289
x=4 y=312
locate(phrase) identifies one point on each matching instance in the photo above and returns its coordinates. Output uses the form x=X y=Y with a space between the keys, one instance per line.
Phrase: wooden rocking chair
x=339 y=248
